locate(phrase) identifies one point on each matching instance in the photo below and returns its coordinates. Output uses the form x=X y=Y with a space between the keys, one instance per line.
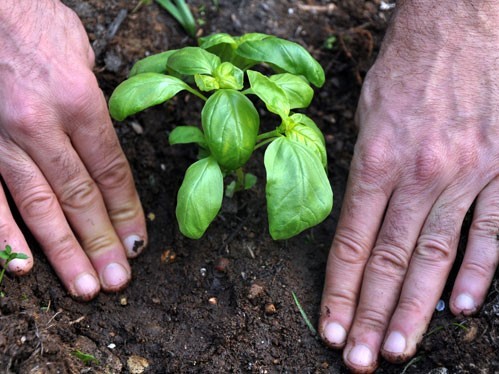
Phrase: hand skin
x=428 y=147
x=59 y=154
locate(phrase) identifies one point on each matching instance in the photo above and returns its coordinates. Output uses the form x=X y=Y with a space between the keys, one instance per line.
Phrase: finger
x=369 y=187
x=386 y=270
x=429 y=268
x=41 y=212
x=84 y=208
x=10 y=234
x=107 y=165
x=482 y=253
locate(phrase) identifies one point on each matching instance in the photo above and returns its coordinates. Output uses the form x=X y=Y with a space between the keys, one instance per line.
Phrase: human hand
x=428 y=147
x=59 y=155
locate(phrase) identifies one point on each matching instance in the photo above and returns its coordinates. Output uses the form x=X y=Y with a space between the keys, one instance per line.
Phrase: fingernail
x=17 y=265
x=114 y=276
x=360 y=355
x=464 y=302
x=334 y=333
x=134 y=244
x=395 y=343
x=86 y=285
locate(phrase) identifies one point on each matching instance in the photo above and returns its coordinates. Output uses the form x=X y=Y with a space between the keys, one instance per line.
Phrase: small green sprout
x=86 y=358
x=7 y=255
x=181 y=12
x=298 y=191
x=304 y=315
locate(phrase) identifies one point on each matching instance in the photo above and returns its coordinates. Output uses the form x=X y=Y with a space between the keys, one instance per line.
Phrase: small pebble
x=137 y=364
x=440 y=306
x=213 y=300
x=270 y=309
x=123 y=301
x=255 y=291
x=202 y=271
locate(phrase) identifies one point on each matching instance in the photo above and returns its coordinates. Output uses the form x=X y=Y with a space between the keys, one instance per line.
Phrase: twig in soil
x=328 y=8
x=99 y=45
x=304 y=315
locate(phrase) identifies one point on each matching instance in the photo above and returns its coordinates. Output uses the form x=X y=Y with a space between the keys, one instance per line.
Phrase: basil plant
x=220 y=73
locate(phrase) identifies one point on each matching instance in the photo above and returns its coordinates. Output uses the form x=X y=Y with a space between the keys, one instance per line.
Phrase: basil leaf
x=285 y=55
x=298 y=192
x=296 y=88
x=152 y=64
x=270 y=93
x=193 y=60
x=230 y=123
x=305 y=131
x=213 y=40
x=186 y=134
x=143 y=91
x=224 y=46
x=206 y=82
x=229 y=76
x=199 y=198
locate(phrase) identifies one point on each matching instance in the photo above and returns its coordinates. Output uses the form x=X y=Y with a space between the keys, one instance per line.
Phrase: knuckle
x=63 y=249
x=413 y=307
x=97 y=243
x=429 y=164
x=389 y=260
x=115 y=174
x=434 y=250
x=486 y=225
x=349 y=248
x=79 y=195
x=38 y=204
x=80 y=97
x=341 y=298
x=374 y=161
x=481 y=270
x=125 y=212
x=372 y=319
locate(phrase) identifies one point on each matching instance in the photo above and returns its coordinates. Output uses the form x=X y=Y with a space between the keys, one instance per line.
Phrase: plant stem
x=269 y=134
x=261 y=144
x=197 y=93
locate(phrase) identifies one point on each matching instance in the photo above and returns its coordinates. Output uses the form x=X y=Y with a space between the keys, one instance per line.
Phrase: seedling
x=7 y=255
x=181 y=12
x=298 y=191
x=86 y=358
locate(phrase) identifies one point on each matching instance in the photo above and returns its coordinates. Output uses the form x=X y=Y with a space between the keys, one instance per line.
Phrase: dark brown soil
x=183 y=312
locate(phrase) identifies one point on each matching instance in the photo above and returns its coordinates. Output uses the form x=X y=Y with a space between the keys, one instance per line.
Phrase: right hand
x=428 y=147
x=60 y=157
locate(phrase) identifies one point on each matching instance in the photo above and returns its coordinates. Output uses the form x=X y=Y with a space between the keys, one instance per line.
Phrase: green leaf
x=224 y=46
x=4 y=255
x=199 y=198
x=152 y=64
x=305 y=131
x=206 y=83
x=213 y=40
x=296 y=88
x=299 y=195
x=249 y=180
x=193 y=60
x=285 y=55
x=229 y=76
x=185 y=135
x=230 y=123
x=270 y=93
x=143 y=91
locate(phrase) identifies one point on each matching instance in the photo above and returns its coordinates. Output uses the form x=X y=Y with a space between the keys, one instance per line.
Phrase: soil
x=223 y=303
